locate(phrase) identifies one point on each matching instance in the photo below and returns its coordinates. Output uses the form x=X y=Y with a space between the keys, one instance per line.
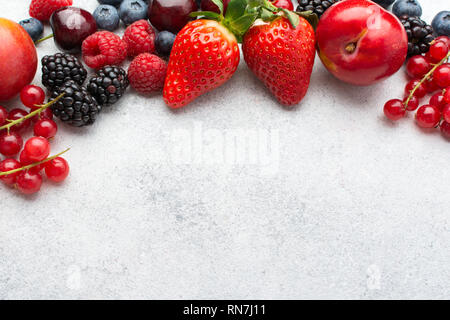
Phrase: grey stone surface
x=343 y=204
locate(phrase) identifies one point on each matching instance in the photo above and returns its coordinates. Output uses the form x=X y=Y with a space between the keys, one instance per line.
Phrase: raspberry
x=43 y=9
x=103 y=48
x=140 y=38
x=147 y=73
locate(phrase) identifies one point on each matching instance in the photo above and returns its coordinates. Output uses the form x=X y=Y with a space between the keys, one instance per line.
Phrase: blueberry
x=441 y=23
x=111 y=2
x=107 y=17
x=132 y=10
x=410 y=8
x=164 y=42
x=34 y=28
x=384 y=3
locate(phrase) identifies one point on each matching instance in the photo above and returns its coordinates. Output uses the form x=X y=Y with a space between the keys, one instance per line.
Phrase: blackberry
x=420 y=34
x=60 y=67
x=108 y=85
x=77 y=107
x=316 y=6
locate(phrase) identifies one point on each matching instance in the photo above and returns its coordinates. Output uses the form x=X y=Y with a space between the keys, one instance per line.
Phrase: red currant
x=445 y=129
x=394 y=109
x=420 y=92
x=31 y=96
x=447 y=95
x=438 y=50
x=446 y=112
x=430 y=86
x=417 y=67
x=430 y=58
x=428 y=116
x=45 y=128
x=8 y=165
x=36 y=149
x=444 y=39
x=44 y=114
x=29 y=182
x=3 y=116
x=10 y=143
x=25 y=161
x=438 y=100
x=15 y=114
x=57 y=169
x=413 y=103
x=441 y=76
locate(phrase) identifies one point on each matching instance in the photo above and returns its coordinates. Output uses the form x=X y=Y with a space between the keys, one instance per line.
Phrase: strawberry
x=281 y=54
x=205 y=53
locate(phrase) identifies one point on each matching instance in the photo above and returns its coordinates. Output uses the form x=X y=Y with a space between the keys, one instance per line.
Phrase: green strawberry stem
x=241 y=14
x=5 y=173
x=31 y=114
x=43 y=39
x=425 y=77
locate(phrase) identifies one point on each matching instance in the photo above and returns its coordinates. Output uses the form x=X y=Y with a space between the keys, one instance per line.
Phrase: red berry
x=446 y=112
x=430 y=58
x=438 y=100
x=447 y=95
x=15 y=114
x=441 y=76
x=140 y=38
x=44 y=114
x=37 y=149
x=43 y=9
x=285 y=4
x=428 y=116
x=3 y=116
x=31 y=96
x=438 y=50
x=394 y=109
x=57 y=169
x=10 y=143
x=45 y=128
x=25 y=161
x=420 y=92
x=445 y=129
x=417 y=66
x=412 y=104
x=430 y=86
x=29 y=182
x=103 y=48
x=8 y=165
x=443 y=39
x=147 y=73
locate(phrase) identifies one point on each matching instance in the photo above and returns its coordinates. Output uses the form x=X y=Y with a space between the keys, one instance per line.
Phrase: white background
x=357 y=207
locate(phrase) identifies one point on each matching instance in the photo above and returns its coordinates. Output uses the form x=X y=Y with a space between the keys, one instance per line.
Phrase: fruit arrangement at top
x=186 y=48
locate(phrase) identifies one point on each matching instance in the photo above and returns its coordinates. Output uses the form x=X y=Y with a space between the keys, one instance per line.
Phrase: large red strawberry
x=282 y=56
x=205 y=53
x=204 y=56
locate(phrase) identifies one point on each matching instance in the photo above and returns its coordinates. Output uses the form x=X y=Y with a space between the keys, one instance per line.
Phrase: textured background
x=344 y=204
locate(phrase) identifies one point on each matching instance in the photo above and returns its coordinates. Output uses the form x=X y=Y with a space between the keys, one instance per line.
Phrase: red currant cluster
x=25 y=173
x=430 y=74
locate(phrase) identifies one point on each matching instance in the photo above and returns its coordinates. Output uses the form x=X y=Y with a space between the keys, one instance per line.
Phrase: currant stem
x=31 y=114
x=33 y=164
x=43 y=39
x=425 y=77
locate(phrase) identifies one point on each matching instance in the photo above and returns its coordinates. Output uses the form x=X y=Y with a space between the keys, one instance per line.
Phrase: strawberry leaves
x=241 y=14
